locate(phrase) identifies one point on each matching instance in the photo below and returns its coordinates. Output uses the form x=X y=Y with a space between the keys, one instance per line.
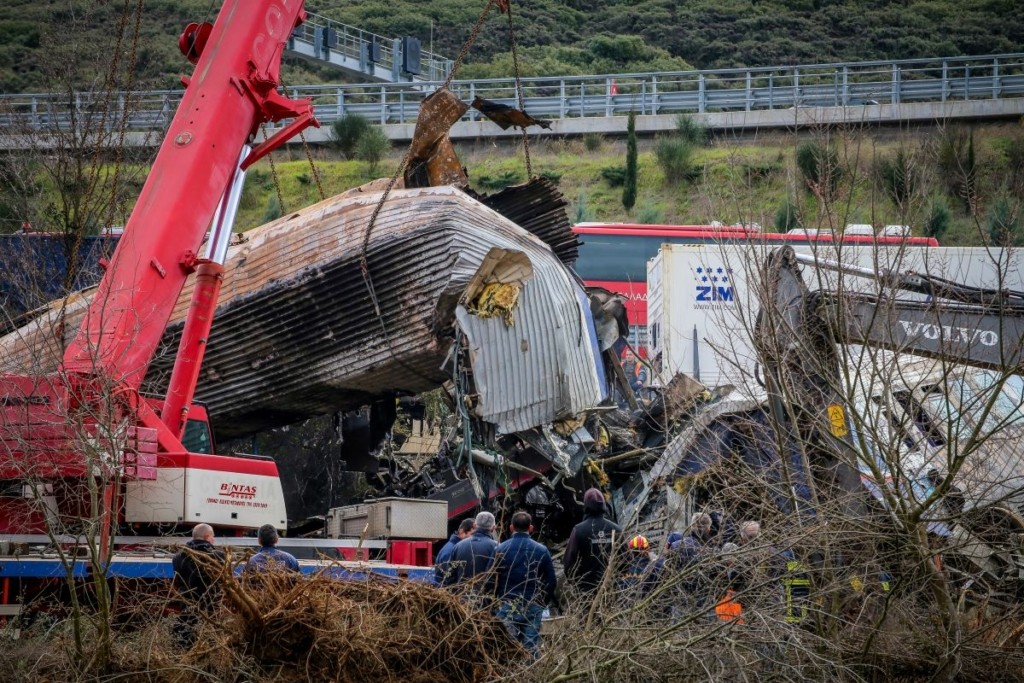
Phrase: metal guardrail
x=366 y=54
x=990 y=77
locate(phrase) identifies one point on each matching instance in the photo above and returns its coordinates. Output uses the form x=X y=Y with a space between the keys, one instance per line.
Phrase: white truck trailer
x=702 y=299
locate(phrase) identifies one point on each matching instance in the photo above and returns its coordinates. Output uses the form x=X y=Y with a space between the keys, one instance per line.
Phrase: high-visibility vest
x=729 y=608
x=798 y=591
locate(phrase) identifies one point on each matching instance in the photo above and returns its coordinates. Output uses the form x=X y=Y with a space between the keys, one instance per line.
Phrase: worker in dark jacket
x=195 y=583
x=269 y=557
x=444 y=556
x=525 y=581
x=591 y=544
x=474 y=554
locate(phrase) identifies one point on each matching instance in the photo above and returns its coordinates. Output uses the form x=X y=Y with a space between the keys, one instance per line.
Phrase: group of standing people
x=517 y=574
x=196 y=574
x=709 y=567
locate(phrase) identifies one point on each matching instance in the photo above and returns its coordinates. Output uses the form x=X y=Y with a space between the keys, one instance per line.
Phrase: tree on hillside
x=629 y=187
x=373 y=146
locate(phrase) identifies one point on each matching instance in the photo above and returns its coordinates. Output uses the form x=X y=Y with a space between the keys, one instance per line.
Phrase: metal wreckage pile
x=394 y=290
x=614 y=445
x=538 y=404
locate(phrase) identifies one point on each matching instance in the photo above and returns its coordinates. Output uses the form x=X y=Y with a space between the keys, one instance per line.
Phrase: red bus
x=615 y=255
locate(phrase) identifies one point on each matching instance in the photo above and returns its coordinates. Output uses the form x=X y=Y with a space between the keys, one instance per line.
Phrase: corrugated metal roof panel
x=539 y=207
x=544 y=367
x=297 y=332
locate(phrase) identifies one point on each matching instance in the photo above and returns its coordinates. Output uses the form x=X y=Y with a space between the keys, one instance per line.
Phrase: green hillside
x=557 y=37
x=732 y=181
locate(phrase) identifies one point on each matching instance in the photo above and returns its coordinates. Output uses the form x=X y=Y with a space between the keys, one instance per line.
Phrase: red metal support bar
x=192 y=348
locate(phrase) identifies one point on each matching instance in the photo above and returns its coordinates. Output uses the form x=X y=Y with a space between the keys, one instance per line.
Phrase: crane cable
x=364 y=265
x=519 y=88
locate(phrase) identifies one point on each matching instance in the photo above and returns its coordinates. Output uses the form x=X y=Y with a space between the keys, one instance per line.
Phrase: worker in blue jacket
x=473 y=555
x=524 y=582
x=443 y=563
x=269 y=557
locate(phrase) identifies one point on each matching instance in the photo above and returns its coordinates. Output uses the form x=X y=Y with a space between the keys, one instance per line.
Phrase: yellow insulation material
x=497 y=299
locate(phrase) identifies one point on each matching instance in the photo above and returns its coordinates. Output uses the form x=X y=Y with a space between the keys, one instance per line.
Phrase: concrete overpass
x=864 y=93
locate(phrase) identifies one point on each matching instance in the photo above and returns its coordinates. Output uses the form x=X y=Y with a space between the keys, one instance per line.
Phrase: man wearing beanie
x=591 y=544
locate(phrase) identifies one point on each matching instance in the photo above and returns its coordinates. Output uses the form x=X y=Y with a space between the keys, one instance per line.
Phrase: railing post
x=561 y=96
x=472 y=96
x=796 y=87
x=643 y=97
x=396 y=63
x=967 y=81
x=846 y=85
x=383 y=105
x=895 y=83
x=340 y=102
x=583 y=107
x=364 y=54
x=771 y=91
x=607 y=97
x=401 y=106
x=654 y=94
x=945 y=79
x=701 y=102
x=995 y=78
x=750 y=92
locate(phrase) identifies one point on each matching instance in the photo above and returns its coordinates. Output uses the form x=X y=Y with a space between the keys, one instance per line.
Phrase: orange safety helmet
x=639 y=543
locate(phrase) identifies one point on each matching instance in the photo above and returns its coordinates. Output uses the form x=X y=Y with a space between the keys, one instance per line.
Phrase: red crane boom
x=88 y=420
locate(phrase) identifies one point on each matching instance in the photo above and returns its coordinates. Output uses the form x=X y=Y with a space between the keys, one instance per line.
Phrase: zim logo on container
x=713 y=284
x=240 y=491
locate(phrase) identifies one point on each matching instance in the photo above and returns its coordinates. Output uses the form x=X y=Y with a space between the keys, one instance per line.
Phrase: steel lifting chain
x=273 y=172
x=477 y=27
x=316 y=173
x=309 y=158
x=363 y=264
x=519 y=89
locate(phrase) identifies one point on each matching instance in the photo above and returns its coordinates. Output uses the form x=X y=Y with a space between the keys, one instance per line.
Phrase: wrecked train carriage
x=302 y=329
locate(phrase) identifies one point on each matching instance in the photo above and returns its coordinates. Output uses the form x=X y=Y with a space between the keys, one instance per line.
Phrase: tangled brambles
x=325 y=629
x=288 y=628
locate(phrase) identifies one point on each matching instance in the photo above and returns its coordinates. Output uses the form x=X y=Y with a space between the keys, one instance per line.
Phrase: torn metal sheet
x=543 y=363
x=539 y=207
x=432 y=158
x=634 y=501
x=298 y=332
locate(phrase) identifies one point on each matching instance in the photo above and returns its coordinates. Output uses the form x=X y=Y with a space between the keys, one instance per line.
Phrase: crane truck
x=83 y=443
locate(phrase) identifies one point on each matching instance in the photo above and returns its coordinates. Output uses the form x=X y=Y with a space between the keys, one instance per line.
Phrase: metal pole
x=224 y=217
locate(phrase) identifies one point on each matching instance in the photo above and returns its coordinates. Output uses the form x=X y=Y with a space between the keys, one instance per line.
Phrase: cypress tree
x=629 y=190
